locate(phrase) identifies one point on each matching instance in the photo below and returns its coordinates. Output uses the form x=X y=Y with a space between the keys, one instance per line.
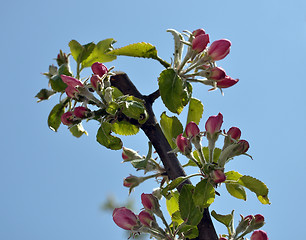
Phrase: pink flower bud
x=219 y=49
x=130 y=154
x=71 y=81
x=216 y=73
x=99 y=68
x=234 y=132
x=132 y=181
x=183 y=144
x=94 y=80
x=226 y=82
x=259 y=221
x=71 y=91
x=259 y=235
x=192 y=129
x=218 y=176
x=198 y=32
x=243 y=147
x=81 y=112
x=213 y=124
x=149 y=202
x=146 y=218
x=67 y=118
x=248 y=218
x=124 y=218
x=200 y=42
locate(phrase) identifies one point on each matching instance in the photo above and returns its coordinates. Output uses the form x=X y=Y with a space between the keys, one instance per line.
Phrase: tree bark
x=153 y=131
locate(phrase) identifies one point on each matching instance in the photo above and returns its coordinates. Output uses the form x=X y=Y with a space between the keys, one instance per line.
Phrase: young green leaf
x=173 y=90
x=236 y=190
x=204 y=194
x=124 y=128
x=224 y=219
x=232 y=175
x=54 y=119
x=105 y=138
x=189 y=231
x=44 y=94
x=173 y=184
x=57 y=83
x=80 y=52
x=205 y=150
x=100 y=53
x=173 y=208
x=171 y=127
x=78 y=130
x=142 y=49
x=256 y=186
x=190 y=213
x=195 y=111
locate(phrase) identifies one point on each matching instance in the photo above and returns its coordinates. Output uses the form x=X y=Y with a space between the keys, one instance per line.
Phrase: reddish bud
x=130 y=154
x=200 y=42
x=243 y=147
x=99 y=68
x=226 y=82
x=146 y=218
x=183 y=144
x=132 y=181
x=216 y=73
x=198 y=32
x=218 y=176
x=259 y=235
x=234 y=132
x=81 y=112
x=259 y=218
x=192 y=129
x=248 y=218
x=213 y=124
x=67 y=118
x=149 y=202
x=94 y=80
x=71 y=81
x=124 y=218
x=219 y=49
x=71 y=91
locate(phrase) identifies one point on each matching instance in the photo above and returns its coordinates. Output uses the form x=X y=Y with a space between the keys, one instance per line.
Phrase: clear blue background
x=52 y=185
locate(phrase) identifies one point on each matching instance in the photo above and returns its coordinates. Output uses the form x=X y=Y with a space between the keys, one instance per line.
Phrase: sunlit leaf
x=142 y=49
x=204 y=194
x=173 y=208
x=54 y=119
x=100 y=53
x=124 y=128
x=195 y=111
x=224 y=219
x=78 y=130
x=105 y=138
x=173 y=91
x=171 y=127
x=236 y=190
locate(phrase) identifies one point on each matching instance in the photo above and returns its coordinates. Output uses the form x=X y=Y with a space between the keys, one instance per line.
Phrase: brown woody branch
x=153 y=131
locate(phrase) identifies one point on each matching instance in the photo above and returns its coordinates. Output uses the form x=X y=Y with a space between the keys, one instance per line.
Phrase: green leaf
x=189 y=231
x=105 y=138
x=173 y=208
x=78 y=130
x=173 y=91
x=133 y=107
x=124 y=128
x=205 y=151
x=173 y=184
x=204 y=194
x=100 y=53
x=80 y=52
x=256 y=186
x=232 y=175
x=189 y=212
x=54 y=119
x=44 y=94
x=57 y=83
x=64 y=69
x=236 y=190
x=224 y=219
x=171 y=127
x=195 y=111
x=142 y=49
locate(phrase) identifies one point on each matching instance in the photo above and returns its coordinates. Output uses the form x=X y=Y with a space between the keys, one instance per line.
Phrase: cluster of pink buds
x=145 y=221
x=202 y=59
x=249 y=224
x=73 y=117
x=100 y=72
x=73 y=86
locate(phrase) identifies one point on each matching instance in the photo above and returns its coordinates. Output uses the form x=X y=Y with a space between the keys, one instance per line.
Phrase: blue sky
x=52 y=184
